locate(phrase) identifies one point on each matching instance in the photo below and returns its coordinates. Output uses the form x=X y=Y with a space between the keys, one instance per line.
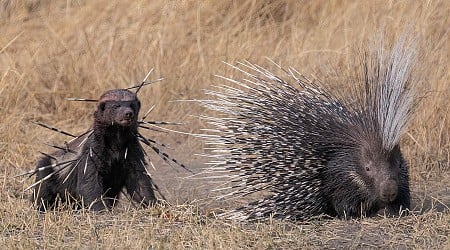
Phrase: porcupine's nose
x=389 y=190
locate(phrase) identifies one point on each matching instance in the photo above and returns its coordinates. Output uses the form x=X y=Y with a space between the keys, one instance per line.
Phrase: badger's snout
x=125 y=116
x=129 y=114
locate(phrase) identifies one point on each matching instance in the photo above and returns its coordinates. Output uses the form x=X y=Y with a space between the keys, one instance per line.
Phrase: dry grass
x=50 y=50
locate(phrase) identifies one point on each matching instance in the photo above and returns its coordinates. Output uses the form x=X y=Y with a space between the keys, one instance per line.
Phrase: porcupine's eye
x=367 y=167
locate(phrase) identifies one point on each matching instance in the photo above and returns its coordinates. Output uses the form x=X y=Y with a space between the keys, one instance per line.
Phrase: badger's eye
x=115 y=106
x=367 y=168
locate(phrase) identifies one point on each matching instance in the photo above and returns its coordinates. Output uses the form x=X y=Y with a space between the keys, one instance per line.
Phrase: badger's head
x=117 y=107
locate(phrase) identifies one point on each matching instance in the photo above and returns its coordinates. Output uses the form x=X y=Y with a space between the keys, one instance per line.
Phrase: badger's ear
x=101 y=107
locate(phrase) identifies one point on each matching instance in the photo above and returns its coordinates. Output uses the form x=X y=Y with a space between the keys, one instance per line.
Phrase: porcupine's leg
x=139 y=184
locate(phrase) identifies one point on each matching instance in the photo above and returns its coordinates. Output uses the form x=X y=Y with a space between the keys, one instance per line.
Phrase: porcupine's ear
x=395 y=152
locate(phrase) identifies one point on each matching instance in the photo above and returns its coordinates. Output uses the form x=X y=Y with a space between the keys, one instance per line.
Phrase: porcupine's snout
x=385 y=177
x=388 y=190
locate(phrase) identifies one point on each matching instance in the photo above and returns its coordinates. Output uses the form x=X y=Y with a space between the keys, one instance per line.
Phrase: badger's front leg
x=138 y=183
x=90 y=186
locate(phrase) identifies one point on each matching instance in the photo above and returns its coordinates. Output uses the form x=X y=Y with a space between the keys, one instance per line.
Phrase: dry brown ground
x=50 y=50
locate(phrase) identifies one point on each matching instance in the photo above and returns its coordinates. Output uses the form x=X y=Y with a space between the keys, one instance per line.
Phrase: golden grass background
x=51 y=50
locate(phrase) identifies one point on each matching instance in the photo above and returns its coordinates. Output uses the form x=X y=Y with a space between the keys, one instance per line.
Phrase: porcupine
x=315 y=152
x=94 y=167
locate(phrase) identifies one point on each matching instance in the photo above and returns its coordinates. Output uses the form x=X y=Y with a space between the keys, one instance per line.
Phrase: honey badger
x=94 y=167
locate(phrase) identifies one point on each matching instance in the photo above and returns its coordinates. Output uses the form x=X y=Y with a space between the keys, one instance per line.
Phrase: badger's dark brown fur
x=94 y=167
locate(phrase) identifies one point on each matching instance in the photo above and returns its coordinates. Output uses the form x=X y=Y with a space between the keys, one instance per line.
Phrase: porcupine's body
x=316 y=153
x=96 y=166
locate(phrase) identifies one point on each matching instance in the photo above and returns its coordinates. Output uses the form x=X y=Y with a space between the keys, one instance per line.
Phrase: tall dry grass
x=51 y=50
